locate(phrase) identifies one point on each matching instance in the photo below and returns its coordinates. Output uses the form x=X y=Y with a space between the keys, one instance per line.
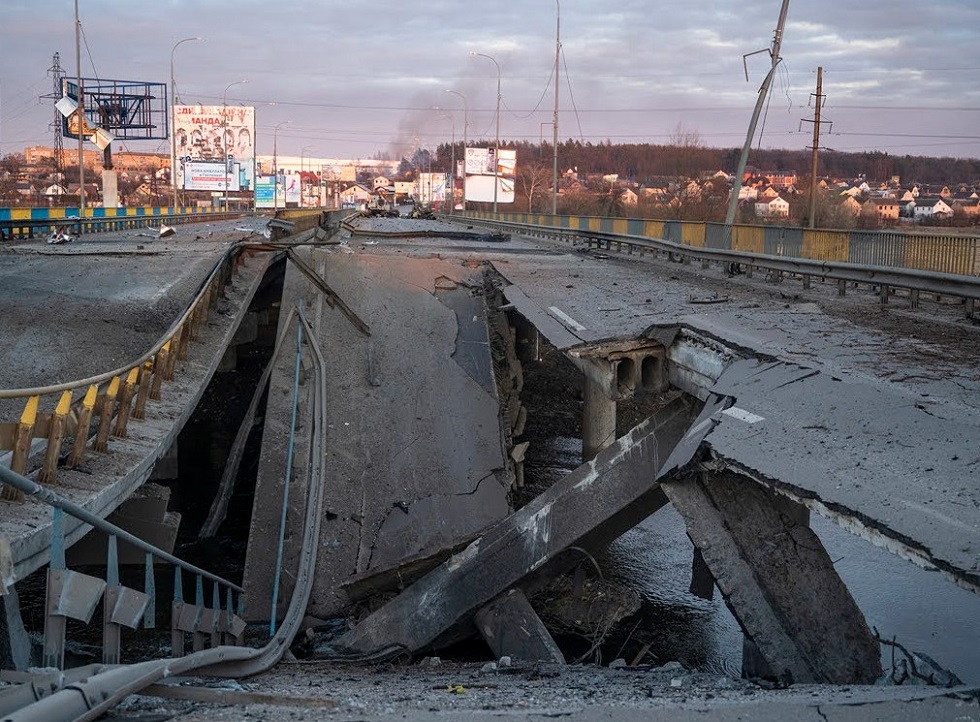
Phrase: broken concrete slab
x=587 y=502
x=895 y=466
x=777 y=578
x=511 y=628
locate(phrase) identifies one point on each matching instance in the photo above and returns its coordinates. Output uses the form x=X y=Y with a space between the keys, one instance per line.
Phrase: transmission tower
x=57 y=73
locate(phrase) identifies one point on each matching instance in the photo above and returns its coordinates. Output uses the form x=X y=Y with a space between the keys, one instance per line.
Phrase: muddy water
x=919 y=609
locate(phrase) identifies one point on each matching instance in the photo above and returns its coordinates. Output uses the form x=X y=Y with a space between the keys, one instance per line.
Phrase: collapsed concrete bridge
x=770 y=412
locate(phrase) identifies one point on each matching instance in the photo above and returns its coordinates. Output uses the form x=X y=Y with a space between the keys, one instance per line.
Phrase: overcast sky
x=355 y=78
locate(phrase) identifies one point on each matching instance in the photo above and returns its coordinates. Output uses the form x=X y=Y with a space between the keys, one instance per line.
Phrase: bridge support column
x=777 y=579
x=598 y=420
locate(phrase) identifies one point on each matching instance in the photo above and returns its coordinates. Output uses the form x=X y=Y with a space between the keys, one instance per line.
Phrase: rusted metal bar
x=49 y=469
x=145 y=372
x=176 y=607
x=22 y=448
x=111 y=632
x=83 y=426
x=105 y=416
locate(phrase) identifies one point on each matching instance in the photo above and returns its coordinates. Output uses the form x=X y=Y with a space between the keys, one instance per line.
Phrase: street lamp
x=302 y=196
x=275 y=167
x=173 y=118
x=496 y=150
x=466 y=125
x=452 y=171
x=224 y=132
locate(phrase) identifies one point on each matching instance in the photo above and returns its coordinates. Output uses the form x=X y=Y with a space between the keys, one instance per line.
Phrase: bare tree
x=533 y=181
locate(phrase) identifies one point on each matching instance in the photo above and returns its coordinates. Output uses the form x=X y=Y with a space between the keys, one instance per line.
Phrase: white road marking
x=565 y=318
x=742 y=415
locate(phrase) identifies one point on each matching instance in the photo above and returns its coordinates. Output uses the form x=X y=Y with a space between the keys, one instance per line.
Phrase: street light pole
x=275 y=167
x=466 y=125
x=224 y=132
x=496 y=147
x=173 y=119
x=452 y=167
x=80 y=117
x=554 y=187
x=302 y=196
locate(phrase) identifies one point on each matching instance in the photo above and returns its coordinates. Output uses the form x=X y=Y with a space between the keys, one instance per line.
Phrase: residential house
x=354 y=195
x=381 y=182
x=884 y=210
x=931 y=207
x=968 y=207
x=851 y=205
x=777 y=207
x=781 y=179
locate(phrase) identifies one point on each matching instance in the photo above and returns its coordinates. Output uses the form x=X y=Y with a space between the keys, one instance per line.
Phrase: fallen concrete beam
x=582 y=505
x=777 y=578
x=511 y=628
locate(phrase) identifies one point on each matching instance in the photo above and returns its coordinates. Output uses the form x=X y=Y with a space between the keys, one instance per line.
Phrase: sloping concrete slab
x=582 y=504
x=906 y=464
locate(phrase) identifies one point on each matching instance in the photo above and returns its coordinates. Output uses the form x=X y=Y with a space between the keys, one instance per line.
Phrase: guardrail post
x=55 y=624
x=185 y=338
x=913 y=298
x=216 y=627
x=841 y=287
x=806 y=280
x=83 y=426
x=105 y=416
x=176 y=608
x=884 y=291
x=49 y=469
x=150 y=588
x=145 y=372
x=22 y=448
x=159 y=370
x=125 y=402
x=111 y=633
x=971 y=305
x=198 y=639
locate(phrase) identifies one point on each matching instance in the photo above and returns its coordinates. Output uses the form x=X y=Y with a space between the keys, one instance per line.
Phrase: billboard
x=123 y=109
x=215 y=140
x=480 y=165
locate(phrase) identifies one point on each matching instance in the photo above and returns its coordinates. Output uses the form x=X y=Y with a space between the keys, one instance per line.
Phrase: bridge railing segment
x=88 y=692
x=28 y=223
x=945 y=265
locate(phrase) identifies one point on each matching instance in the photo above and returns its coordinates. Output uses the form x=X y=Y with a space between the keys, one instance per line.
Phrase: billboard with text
x=480 y=165
x=209 y=138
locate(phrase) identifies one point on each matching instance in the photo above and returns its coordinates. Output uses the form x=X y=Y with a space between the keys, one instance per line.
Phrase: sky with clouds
x=354 y=79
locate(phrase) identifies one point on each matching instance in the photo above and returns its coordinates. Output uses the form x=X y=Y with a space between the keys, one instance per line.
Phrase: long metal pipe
x=173 y=118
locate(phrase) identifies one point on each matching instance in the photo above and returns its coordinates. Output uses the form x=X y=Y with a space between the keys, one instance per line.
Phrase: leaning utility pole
x=817 y=104
x=57 y=73
x=777 y=41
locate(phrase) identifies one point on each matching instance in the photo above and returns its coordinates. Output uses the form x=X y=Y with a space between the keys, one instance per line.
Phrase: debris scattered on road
x=713 y=298
x=166 y=231
x=58 y=237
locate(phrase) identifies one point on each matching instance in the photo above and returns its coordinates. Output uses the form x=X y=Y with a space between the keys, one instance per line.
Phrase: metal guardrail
x=87 y=694
x=110 y=399
x=32 y=227
x=884 y=278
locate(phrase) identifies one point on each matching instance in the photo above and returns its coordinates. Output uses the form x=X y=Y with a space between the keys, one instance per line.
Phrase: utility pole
x=57 y=73
x=777 y=42
x=554 y=170
x=817 y=105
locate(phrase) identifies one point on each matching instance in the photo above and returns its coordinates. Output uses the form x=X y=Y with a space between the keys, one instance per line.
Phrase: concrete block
x=511 y=628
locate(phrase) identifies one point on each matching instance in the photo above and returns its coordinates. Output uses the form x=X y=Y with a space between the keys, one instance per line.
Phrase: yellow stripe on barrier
x=825 y=245
x=621 y=226
x=653 y=229
x=133 y=375
x=56 y=213
x=748 y=238
x=595 y=224
x=89 y=401
x=692 y=234
x=113 y=389
x=29 y=416
x=64 y=404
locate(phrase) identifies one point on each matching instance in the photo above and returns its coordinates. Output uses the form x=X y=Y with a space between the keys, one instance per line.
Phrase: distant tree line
x=688 y=157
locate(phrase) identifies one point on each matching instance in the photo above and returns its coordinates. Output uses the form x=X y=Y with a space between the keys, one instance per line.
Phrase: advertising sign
x=210 y=176
x=204 y=135
x=480 y=166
